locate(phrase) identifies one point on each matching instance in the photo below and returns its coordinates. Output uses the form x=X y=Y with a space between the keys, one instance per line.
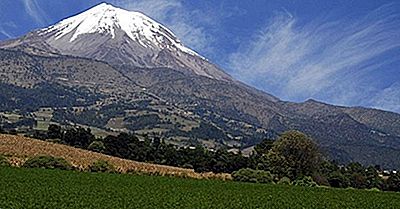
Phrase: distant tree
x=78 y=137
x=54 y=132
x=263 y=147
x=393 y=182
x=97 y=146
x=250 y=175
x=294 y=154
x=118 y=145
x=337 y=179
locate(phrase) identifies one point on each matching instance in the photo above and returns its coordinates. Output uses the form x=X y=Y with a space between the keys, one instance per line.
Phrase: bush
x=305 y=181
x=374 y=189
x=97 y=146
x=285 y=181
x=250 y=175
x=101 y=166
x=4 y=161
x=47 y=162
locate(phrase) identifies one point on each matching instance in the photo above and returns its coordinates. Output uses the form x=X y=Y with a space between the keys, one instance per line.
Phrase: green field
x=36 y=188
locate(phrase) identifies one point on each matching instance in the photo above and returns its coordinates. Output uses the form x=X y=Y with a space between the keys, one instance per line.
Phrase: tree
x=295 y=155
x=393 y=182
x=263 y=147
x=79 y=137
x=97 y=146
x=54 y=132
x=118 y=145
x=250 y=175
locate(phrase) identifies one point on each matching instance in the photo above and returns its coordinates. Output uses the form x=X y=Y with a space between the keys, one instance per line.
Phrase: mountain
x=117 y=36
x=121 y=71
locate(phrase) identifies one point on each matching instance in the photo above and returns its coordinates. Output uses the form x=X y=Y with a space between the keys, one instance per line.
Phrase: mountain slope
x=119 y=37
x=153 y=84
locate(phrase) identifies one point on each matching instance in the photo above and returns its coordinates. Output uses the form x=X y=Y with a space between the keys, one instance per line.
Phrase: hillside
x=19 y=148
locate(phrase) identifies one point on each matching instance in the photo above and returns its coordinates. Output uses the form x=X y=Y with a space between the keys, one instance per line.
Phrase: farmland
x=19 y=148
x=39 y=188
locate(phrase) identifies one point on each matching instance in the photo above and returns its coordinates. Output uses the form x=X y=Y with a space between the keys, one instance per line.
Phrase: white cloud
x=33 y=9
x=328 y=60
x=174 y=15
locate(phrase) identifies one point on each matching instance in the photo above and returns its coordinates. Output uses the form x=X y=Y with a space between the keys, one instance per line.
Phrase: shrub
x=47 y=162
x=4 y=161
x=374 y=189
x=285 y=181
x=97 y=146
x=250 y=175
x=305 y=181
x=101 y=166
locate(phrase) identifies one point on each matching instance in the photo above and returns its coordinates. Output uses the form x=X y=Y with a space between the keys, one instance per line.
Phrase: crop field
x=19 y=148
x=39 y=188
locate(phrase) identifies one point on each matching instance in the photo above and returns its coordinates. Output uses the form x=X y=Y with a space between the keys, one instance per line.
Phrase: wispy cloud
x=328 y=60
x=33 y=9
x=6 y=28
x=173 y=14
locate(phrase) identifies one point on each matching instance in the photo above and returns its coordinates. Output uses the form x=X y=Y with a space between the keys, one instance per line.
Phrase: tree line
x=293 y=158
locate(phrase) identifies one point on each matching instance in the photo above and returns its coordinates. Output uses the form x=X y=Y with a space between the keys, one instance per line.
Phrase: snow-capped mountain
x=119 y=37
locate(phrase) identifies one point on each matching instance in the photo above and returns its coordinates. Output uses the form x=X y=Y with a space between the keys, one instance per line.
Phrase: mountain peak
x=107 y=20
x=118 y=37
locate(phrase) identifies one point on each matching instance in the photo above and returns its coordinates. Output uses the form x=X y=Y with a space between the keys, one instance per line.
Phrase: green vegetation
x=250 y=175
x=41 y=95
x=47 y=162
x=293 y=155
x=40 y=188
x=101 y=166
x=3 y=161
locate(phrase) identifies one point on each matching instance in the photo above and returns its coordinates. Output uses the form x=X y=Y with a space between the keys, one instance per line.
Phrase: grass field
x=37 y=188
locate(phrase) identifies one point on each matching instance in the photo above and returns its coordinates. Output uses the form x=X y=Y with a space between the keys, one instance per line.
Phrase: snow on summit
x=107 y=19
x=118 y=37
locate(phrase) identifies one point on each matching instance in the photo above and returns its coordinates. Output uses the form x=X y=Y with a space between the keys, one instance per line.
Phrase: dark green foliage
x=42 y=95
x=47 y=162
x=97 y=146
x=157 y=151
x=293 y=155
x=264 y=147
x=54 y=132
x=393 y=183
x=78 y=137
x=305 y=181
x=38 y=188
x=119 y=145
x=101 y=166
x=250 y=175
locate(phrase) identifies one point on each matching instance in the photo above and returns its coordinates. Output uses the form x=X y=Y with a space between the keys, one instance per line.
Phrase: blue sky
x=341 y=52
